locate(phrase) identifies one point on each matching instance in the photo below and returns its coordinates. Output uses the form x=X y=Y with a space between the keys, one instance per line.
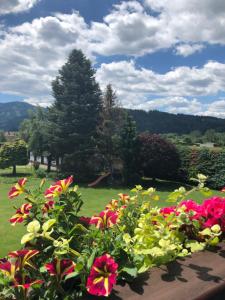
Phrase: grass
x=95 y=200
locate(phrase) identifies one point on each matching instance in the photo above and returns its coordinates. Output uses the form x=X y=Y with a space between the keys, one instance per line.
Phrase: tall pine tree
x=74 y=116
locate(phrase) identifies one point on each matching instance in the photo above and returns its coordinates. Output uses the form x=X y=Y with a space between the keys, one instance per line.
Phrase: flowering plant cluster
x=65 y=255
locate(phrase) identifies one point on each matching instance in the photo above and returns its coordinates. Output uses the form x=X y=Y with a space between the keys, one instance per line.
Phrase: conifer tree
x=74 y=115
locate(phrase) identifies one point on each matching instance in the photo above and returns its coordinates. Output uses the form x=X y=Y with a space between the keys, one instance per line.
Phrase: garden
x=65 y=251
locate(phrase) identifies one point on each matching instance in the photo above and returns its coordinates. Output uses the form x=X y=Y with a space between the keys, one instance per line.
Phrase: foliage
x=65 y=255
x=112 y=119
x=157 y=158
x=208 y=161
x=13 y=154
x=74 y=116
x=34 y=132
x=128 y=149
x=2 y=137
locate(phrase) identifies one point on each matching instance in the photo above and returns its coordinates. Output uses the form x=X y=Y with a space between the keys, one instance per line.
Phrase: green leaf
x=33 y=227
x=131 y=271
x=91 y=259
x=71 y=275
x=27 y=237
x=48 y=224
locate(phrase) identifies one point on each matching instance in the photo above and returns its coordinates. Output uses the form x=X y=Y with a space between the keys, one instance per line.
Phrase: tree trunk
x=14 y=170
x=49 y=163
x=42 y=159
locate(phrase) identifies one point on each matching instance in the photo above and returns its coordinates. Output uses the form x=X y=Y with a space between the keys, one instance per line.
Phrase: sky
x=157 y=54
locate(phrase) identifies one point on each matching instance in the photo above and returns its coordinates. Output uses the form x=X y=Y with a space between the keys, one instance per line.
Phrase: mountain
x=13 y=113
x=162 y=122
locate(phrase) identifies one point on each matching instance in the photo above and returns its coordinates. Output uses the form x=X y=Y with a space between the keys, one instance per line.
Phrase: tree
x=156 y=157
x=74 y=115
x=128 y=149
x=112 y=119
x=2 y=137
x=13 y=154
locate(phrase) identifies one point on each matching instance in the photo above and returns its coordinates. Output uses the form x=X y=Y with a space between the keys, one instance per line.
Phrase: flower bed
x=65 y=255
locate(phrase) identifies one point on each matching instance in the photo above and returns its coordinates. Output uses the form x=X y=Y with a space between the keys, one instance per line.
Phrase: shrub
x=157 y=157
x=65 y=255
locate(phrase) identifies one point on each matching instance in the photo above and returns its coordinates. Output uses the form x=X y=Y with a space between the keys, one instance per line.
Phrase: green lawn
x=95 y=200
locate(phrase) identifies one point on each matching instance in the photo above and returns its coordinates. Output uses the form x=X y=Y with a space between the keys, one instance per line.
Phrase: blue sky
x=157 y=54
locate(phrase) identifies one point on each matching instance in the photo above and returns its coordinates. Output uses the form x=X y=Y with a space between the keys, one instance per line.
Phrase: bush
x=40 y=173
x=66 y=255
x=157 y=157
x=207 y=161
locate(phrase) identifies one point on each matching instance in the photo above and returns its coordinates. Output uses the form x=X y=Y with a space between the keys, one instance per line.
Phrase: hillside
x=162 y=122
x=13 y=113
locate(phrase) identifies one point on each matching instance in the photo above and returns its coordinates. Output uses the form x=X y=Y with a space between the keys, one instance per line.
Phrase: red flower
x=59 y=187
x=18 y=188
x=105 y=219
x=124 y=198
x=9 y=269
x=113 y=205
x=102 y=276
x=85 y=220
x=21 y=214
x=60 y=267
x=48 y=206
x=23 y=257
x=25 y=282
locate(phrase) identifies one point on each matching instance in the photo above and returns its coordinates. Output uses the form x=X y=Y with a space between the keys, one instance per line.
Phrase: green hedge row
x=209 y=162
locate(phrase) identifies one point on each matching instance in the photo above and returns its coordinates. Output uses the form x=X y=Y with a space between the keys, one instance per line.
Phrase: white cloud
x=188 y=49
x=16 y=6
x=175 y=91
x=194 y=20
x=32 y=53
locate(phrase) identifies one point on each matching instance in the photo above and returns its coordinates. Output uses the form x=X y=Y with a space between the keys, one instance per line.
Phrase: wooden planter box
x=199 y=277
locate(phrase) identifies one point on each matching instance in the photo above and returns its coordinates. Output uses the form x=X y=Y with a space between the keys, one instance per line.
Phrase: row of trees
x=85 y=128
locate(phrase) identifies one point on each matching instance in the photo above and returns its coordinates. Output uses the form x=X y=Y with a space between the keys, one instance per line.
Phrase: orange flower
x=124 y=198
x=59 y=187
x=113 y=205
x=18 y=189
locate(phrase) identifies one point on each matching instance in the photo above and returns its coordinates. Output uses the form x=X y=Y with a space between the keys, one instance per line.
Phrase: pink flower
x=192 y=206
x=105 y=219
x=60 y=268
x=18 y=188
x=213 y=210
x=21 y=214
x=165 y=211
x=59 y=187
x=102 y=276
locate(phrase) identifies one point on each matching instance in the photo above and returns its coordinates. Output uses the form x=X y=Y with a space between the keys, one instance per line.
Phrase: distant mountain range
x=13 y=113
